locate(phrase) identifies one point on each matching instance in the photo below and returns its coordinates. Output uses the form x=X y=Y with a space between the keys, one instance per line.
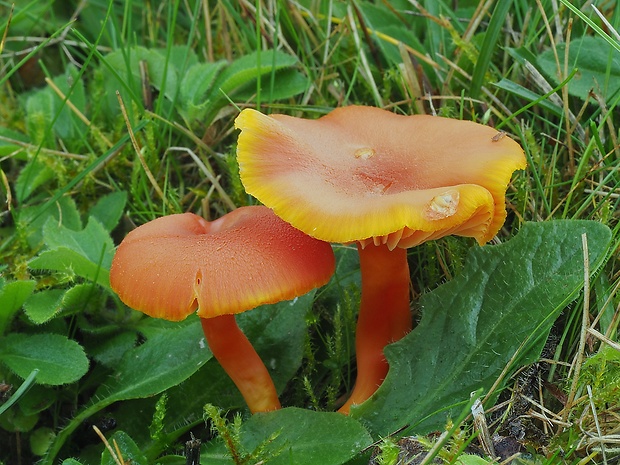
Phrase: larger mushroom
x=386 y=182
x=179 y=264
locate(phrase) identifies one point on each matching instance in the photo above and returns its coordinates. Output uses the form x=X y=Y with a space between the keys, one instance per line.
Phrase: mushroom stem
x=241 y=362
x=384 y=316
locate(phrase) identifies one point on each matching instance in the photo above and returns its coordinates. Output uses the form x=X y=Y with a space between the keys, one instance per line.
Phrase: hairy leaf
x=51 y=303
x=87 y=253
x=12 y=296
x=58 y=359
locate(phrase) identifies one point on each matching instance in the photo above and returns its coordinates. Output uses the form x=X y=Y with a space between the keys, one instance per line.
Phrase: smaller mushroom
x=178 y=264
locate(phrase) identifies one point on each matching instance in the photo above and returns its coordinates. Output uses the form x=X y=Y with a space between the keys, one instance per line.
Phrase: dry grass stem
x=604 y=338
x=585 y=319
x=6 y=29
x=118 y=459
x=33 y=147
x=481 y=427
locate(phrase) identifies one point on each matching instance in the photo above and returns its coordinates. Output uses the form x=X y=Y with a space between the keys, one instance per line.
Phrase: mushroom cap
x=365 y=174
x=171 y=266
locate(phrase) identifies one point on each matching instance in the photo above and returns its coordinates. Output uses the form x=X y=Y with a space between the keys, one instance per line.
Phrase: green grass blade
x=488 y=46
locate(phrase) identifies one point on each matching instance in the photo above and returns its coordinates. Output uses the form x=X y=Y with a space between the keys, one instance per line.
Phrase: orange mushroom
x=386 y=182
x=177 y=264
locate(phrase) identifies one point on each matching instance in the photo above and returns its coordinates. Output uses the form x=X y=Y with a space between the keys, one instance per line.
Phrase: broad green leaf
x=334 y=439
x=346 y=276
x=59 y=360
x=16 y=421
x=177 y=460
x=87 y=253
x=71 y=462
x=13 y=294
x=163 y=73
x=126 y=63
x=287 y=84
x=112 y=348
x=77 y=298
x=164 y=360
x=122 y=73
x=181 y=57
x=39 y=398
x=31 y=177
x=244 y=72
x=597 y=63
x=71 y=262
x=50 y=303
x=40 y=111
x=278 y=332
x=199 y=89
x=599 y=31
x=195 y=88
x=40 y=440
x=68 y=126
x=109 y=209
x=247 y=68
x=387 y=28
x=130 y=452
x=503 y=303
x=64 y=212
x=45 y=107
x=44 y=305
x=302 y=437
x=89 y=242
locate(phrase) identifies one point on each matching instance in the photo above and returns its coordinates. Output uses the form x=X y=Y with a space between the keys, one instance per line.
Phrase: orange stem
x=384 y=316
x=241 y=362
